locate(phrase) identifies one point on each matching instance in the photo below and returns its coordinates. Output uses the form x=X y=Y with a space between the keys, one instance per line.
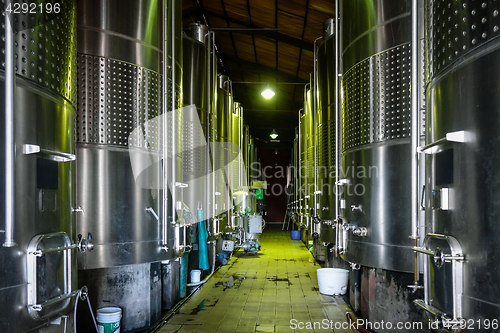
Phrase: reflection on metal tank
x=301 y=159
x=376 y=133
x=196 y=127
x=295 y=177
x=309 y=151
x=224 y=107
x=326 y=132
x=44 y=69
x=237 y=166
x=120 y=151
x=462 y=163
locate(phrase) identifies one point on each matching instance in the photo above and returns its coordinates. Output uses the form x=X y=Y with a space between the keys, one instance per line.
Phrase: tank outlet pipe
x=212 y=68
x=415 y=133
x=315 y=121
x=10 y=153
x=164 y=171
x=169 y=129
x=338 y=136
x=415 y=124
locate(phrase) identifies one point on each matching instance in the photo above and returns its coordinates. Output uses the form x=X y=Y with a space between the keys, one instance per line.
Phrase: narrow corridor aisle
x=275 y=290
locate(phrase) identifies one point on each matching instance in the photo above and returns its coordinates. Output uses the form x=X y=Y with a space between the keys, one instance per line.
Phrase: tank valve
x=84 y=293
x=316 y=219
x=348 y=226
x=78 y=209
x=415 y=287
x=354 y=207
x=85 y=244
x=360 y=231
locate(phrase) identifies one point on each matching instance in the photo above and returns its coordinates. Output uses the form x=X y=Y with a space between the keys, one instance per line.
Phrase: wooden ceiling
x=265 y=41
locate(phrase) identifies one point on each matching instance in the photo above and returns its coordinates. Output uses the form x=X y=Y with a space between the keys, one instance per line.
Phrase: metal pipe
x=415 y=273
x=415 y=122
x=214 y=121
x=173 y=131
x=315 y=119
x=337 y=127
x=306 y=161
x=10 y=100
x=210 y=134
x=164 y=220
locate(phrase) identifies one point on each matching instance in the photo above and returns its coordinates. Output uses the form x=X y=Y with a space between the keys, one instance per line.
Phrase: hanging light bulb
x=273 y=134
x=268 y=93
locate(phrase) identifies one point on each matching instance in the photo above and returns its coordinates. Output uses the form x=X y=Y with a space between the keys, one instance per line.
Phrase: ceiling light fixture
x=268 y=93
x=273 y=134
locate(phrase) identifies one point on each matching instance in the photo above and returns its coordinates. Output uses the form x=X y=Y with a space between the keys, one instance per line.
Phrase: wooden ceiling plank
x=231 y=35
x=257 y=30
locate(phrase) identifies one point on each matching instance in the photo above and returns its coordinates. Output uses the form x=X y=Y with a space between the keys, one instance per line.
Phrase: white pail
x=195 y=275
x=332 y=281
x=108 y=319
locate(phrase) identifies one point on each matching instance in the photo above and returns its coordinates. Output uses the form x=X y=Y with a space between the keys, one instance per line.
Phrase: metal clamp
x=85 y=245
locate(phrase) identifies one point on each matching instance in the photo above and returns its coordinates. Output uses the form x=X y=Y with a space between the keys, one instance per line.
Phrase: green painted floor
x=274 y=291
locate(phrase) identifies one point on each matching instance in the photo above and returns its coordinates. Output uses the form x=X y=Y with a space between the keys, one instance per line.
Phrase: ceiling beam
x=256 y=30
x=248 y=66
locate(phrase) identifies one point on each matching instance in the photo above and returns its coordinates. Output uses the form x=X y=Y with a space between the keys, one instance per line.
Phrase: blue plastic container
x=296 y=234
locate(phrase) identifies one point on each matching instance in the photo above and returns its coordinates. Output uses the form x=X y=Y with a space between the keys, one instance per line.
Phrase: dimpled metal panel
x=455 y=27
x=114 y=99
x=326 y=154
x=45 y=49
x=194 y=153
x=376 y=104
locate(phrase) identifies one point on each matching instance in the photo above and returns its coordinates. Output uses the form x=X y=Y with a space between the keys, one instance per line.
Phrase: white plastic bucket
x=108 y=319
x=195 y=275
x=332 y=281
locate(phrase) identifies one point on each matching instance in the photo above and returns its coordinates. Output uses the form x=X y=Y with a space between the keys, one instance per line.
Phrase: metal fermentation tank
x=221 y=153
x=120 y=152
x=37 y=210
x=462 y=249
x=380 y=202
x=326 y=133
x=39 y=64
x=196 y=127
x=376 y=133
